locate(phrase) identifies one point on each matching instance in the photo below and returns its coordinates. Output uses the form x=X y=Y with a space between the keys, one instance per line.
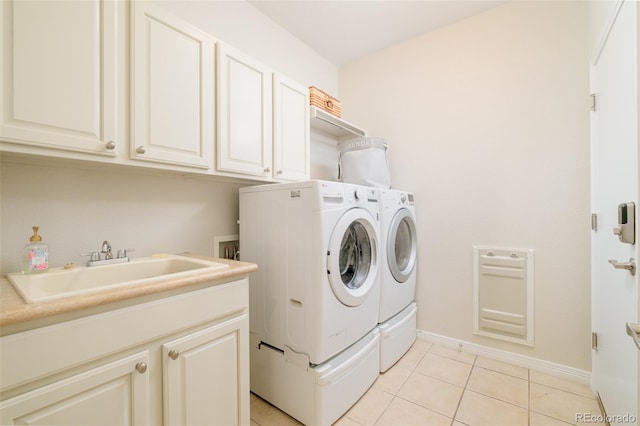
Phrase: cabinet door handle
x=140 y=150
x=141 y=367
x=173 y=354
x=267 y=169
x=110 y=145
x=279 y=172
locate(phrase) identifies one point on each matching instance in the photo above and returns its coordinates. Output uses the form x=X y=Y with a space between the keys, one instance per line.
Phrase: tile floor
x=436 y=385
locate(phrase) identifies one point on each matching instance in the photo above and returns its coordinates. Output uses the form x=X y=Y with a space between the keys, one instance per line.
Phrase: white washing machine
x=314 y=299
x=316 y=290
x=399 y=257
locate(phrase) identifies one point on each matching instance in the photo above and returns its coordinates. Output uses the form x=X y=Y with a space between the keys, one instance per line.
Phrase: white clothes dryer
x=316 y=291
x=399 y=252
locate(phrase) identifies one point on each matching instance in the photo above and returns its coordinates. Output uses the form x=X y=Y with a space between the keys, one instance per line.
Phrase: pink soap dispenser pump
x=36 y=255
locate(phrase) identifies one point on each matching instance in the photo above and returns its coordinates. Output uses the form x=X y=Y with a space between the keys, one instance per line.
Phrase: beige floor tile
x=411 y=359
x=422 y=345
x=446 y=369
x=266 y=414
x=431 y=393
x=457 y=354
x=537 y=419
x=404 y=413
x=425 y=384
x=368 y=408
x=560 y=383
x=346 y=421
x=500 y=386
x=502 y=367
x=392 y=380
x=480 y=410
x=559 y=404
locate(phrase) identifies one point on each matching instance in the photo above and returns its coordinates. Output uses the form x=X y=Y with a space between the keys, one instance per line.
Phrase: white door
x=205 y=375
x=116 y=393
x=291 y=143
x=173 y=89
x=59 y=74
x=615 y=181
x=244 y=114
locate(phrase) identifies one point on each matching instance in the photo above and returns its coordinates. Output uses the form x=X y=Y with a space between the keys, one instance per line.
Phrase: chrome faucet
x=106 y=250
x=105 y=255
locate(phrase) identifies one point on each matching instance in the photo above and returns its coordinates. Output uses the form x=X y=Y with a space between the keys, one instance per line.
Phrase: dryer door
x=352 y=257
x=402 y=245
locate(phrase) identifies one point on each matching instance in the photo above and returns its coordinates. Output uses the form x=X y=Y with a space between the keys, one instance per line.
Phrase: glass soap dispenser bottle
x=36 y=255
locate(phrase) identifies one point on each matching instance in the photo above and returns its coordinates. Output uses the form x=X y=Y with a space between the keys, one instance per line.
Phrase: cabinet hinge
x=594 y=222
x=592 y=107
x=594 y=340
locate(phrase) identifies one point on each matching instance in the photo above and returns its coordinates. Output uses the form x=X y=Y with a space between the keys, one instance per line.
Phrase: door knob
x=173 y=354
x=629 y=266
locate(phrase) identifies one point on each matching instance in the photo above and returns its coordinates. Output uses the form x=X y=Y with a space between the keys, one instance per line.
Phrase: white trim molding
x=552 y=368
x=597 y=50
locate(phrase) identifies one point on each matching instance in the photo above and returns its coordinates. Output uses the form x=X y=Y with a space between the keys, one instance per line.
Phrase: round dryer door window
x=402 y=246
x=351 y=260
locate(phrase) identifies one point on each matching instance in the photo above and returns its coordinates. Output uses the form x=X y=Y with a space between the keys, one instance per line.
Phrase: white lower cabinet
x=182 y=360
x=116 y=393
x=197 y=392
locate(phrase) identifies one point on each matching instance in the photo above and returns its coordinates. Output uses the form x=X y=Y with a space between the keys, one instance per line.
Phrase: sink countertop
x=14 y=310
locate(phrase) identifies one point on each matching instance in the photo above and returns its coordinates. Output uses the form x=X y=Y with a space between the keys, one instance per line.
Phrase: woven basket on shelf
x=324 y=101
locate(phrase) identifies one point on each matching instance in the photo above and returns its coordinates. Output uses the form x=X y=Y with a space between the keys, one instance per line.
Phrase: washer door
x=352 y=257
x=402 y=245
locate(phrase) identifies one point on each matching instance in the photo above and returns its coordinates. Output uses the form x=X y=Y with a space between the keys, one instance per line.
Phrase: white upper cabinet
x=59 y=74
x=173 y=89
x=291 y=160
x=263 y=120
x=244 y=114
x=193 y=103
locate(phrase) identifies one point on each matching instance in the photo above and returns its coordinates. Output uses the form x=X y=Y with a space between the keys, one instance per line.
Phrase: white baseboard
x=559 y=370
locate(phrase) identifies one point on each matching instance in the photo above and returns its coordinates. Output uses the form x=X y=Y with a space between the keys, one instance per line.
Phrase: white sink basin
x=60 y=282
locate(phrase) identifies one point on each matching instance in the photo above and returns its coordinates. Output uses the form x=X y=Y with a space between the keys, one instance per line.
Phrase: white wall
x=77 y=208
x=488 y=123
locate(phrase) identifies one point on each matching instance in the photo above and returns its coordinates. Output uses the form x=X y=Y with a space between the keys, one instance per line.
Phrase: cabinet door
x=172 y=88
x=206 y=376
x=291 y=129
x=116 y=393
x=244 y=114
x=59 y=68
